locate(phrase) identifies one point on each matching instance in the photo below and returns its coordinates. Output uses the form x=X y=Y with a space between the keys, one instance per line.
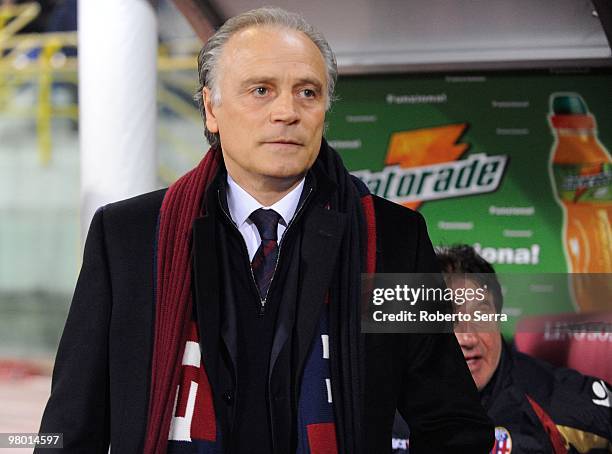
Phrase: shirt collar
x=241 y=204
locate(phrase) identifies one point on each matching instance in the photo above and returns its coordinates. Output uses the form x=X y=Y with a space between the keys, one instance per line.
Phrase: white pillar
x=117 y=101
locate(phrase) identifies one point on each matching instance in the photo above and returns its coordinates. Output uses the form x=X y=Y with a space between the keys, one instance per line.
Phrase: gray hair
x=209 y=55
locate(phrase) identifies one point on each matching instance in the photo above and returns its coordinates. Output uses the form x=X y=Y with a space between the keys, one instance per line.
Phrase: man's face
x=273 y=90
x=480 y=342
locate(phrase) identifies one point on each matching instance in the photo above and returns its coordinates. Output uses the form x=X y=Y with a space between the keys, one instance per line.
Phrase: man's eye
x=309 y=93
x=261 y=91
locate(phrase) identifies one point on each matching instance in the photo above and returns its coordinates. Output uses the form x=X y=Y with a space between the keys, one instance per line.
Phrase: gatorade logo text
x=424 y=164
x=477 y=174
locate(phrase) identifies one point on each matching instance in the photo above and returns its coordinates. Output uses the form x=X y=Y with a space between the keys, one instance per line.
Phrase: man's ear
x=211 y=120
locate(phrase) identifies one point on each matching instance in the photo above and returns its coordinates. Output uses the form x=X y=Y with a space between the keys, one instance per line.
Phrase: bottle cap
x=569 y=104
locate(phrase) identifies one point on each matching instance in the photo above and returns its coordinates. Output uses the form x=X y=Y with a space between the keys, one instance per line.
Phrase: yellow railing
x=34 y=59
x=14 y=17
x=38 y=60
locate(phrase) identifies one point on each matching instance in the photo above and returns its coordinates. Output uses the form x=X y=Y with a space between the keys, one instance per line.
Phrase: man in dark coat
x=536 y=408
x=222 y=315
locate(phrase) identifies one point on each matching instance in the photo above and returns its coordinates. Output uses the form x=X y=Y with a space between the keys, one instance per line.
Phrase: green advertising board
x=473 y=153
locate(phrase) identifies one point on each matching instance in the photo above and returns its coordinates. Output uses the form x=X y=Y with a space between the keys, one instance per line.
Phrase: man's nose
x=283 y=109
x=467 y=340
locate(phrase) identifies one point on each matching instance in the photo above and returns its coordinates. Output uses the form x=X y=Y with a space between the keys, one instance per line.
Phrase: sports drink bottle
x=581 y=173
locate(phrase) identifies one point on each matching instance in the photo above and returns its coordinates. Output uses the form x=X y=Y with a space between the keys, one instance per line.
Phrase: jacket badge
x=503 y=441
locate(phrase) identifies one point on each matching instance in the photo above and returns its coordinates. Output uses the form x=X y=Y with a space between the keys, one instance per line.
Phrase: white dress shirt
x=241 y=204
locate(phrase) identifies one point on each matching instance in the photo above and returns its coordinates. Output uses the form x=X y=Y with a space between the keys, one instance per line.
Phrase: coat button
x=228 y=397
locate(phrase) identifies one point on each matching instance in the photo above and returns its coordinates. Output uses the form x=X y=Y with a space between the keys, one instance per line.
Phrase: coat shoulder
x=396 y=224
x=569 y=397
x=392 y=211
x=141 y=205
x=130 y=225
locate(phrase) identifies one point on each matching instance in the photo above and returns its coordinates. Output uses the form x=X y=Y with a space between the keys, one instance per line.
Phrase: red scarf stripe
x=367 y=203
x=322 y=438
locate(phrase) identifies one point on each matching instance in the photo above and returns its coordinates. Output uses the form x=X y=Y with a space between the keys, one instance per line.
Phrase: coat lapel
x=206 y=292
x=323 y=230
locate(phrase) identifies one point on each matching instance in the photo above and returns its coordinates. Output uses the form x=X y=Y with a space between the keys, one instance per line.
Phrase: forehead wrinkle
x=309 y=80
x=263 y=79
x=234 y=50
x=254 y=80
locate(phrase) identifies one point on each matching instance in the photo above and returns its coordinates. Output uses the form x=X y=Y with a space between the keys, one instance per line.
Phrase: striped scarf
x=181 y=415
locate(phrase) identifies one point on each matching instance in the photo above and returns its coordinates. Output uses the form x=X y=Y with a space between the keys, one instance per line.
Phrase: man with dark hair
x=222 y=315
x=536 y=407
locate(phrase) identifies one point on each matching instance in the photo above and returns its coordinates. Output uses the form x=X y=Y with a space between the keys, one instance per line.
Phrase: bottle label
x=583 y=182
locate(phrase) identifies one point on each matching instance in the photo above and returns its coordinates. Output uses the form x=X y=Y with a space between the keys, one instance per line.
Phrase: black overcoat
x=100 y=387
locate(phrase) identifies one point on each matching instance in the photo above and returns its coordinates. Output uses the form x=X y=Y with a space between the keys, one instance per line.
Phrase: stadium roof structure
x=372 y=36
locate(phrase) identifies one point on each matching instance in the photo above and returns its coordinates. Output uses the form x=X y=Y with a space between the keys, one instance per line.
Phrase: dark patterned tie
x=264 y=260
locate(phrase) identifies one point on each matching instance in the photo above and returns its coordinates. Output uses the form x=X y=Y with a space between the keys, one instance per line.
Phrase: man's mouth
x=283 y=141
x=473 y=360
